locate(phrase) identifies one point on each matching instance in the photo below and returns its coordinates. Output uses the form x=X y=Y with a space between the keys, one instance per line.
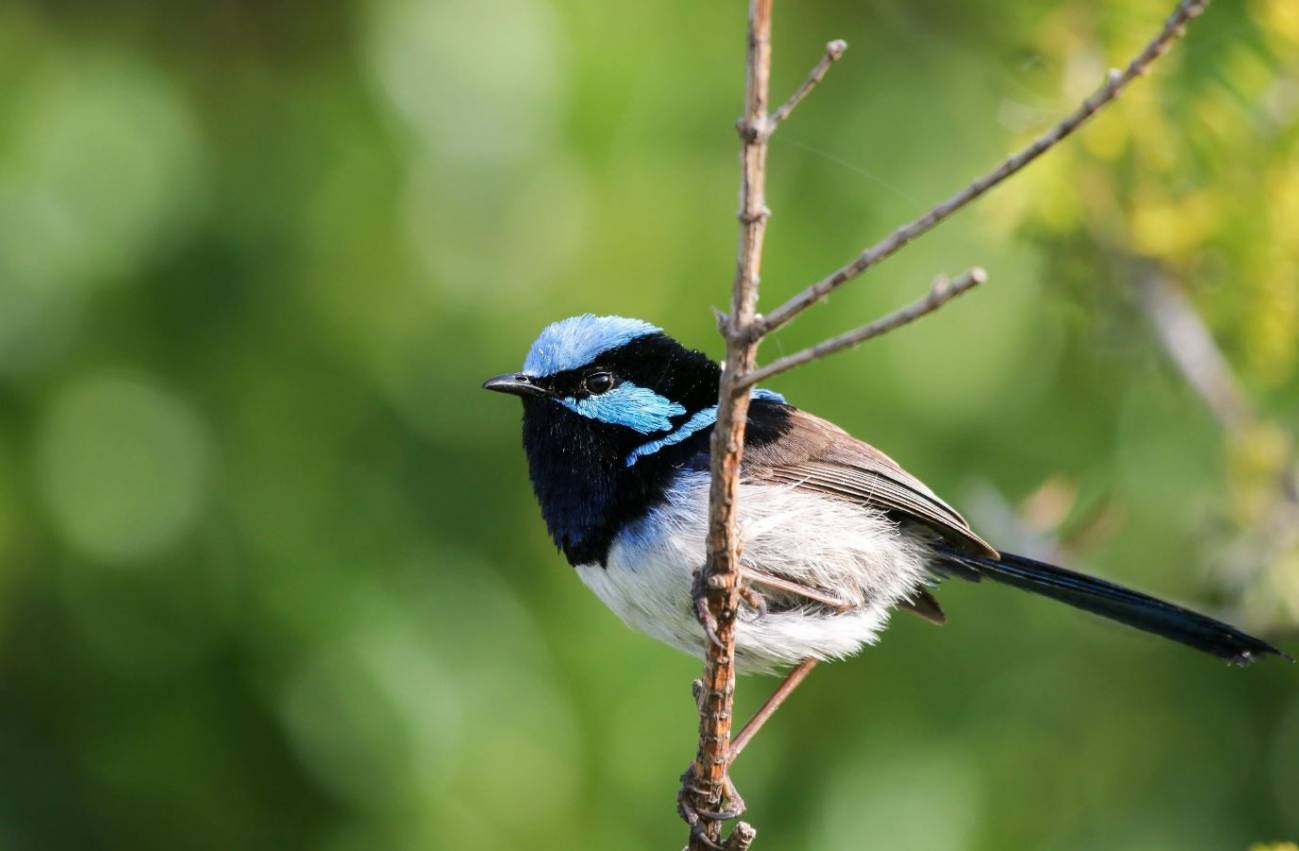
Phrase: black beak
x=514 y=383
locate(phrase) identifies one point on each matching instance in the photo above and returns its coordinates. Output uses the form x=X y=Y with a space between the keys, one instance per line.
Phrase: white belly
x=806 y=537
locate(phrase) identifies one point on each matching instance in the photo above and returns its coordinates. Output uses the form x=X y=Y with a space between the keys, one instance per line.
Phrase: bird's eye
x=598 y=382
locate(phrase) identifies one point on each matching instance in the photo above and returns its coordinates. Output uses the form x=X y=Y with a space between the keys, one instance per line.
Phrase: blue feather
x=628 y=405
x=577 y=341
x=766 y=395
x=700 y=420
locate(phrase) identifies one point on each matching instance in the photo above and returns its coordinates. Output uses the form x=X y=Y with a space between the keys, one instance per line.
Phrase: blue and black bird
x=616 y=423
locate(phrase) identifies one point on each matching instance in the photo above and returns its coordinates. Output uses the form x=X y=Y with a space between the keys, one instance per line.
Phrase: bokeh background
x=271 y=575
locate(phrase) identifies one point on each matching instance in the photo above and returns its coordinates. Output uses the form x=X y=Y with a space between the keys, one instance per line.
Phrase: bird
x=836 y=535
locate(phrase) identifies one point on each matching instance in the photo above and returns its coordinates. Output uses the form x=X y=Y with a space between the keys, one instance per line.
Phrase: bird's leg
x=784 y=690
x=757 y=577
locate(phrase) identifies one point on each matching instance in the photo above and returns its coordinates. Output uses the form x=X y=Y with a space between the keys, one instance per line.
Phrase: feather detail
x=924 y=605
x=816 y=455
x=849 y=564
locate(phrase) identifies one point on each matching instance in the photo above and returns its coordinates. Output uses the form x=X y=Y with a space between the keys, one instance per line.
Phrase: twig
x=833 y=53
x=1173 y=28
x=1191 y=346
x=769 y=707
x=940 y=293
x=741 y=837
x=722 y=568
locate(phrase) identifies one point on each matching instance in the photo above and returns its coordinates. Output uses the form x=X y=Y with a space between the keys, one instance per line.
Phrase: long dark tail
x=1118 y=603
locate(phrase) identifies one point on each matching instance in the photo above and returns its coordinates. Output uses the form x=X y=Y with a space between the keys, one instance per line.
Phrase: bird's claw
x=753 y=599
x=699 y=596
x=708 y=622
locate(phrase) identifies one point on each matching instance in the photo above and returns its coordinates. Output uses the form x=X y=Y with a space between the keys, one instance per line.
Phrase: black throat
x=585 y=487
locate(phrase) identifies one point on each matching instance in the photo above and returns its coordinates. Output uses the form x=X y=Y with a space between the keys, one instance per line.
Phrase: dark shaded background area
x=270 y=571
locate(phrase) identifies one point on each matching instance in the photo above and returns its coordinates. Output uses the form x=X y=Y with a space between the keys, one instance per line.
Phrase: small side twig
x=942 y=291
x=833 y=53
x=768 y=708
x=741 y=838
x=1173 y=28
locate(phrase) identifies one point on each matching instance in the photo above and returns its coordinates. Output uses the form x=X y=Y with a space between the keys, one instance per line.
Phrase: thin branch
x=721 y=571
x=769 y=707
x=940 y=293
x=1191 y=346
x=1173 y=28
x=833 y=53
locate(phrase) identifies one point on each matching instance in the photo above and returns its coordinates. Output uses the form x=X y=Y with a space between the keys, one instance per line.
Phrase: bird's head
x=611 y=406
x=613 y=410
x=606 y=385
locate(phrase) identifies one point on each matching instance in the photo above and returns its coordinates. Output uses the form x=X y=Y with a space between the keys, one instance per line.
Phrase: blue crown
x=576 y=341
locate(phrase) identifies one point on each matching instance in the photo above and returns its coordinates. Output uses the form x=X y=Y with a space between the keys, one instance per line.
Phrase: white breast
x=806 y=537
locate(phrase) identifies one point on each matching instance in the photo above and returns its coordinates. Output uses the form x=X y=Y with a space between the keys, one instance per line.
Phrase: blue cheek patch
x=628 y=405
x=699 y=421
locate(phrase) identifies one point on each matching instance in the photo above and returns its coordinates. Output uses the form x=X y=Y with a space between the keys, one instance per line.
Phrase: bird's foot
x=699 y=598
x=753 y=599
x=729 y=805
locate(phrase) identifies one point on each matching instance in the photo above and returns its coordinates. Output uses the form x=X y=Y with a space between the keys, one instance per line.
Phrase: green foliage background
x=271 y=575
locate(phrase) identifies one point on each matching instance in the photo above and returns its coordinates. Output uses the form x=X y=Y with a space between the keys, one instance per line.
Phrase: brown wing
x=819 y=456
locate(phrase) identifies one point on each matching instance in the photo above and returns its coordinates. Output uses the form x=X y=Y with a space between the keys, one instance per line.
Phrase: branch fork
x=760 y=129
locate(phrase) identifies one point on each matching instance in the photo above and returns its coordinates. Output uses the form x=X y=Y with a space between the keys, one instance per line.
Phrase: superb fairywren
x=616 y=423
